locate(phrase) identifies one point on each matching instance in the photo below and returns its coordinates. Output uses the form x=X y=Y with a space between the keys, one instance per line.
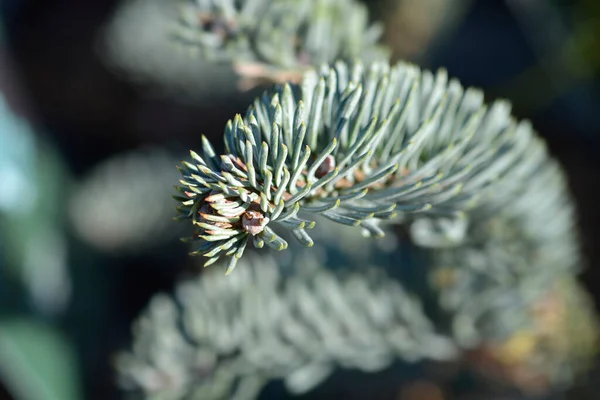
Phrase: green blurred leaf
x=37 y=362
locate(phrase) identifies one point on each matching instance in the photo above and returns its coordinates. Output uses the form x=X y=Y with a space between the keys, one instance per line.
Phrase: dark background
x=91 y=113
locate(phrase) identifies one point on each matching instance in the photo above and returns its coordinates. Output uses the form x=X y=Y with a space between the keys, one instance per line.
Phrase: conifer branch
x=225 y=337
x=358 y=142
x=298 y=327
x=287 y=40
x=356 y=145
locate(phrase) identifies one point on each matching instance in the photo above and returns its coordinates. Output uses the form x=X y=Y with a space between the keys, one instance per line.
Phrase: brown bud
x=326 y=166
x=254 y=222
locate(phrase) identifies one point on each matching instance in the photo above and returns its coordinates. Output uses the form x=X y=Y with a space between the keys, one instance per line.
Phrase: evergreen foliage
x=297 y=316
x=277 y=40
x=349 y=138
x=276 y=322
x=363 y=144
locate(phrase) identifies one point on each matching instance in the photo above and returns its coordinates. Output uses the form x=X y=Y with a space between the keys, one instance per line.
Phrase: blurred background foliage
x=87 y=156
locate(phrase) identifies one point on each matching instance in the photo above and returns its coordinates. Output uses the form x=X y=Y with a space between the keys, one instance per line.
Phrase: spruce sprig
x=297 y=326
x=277 y=40
x=357 y=145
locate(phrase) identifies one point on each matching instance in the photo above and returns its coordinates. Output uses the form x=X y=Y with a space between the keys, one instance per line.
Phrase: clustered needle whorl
x=278 y=39
x=356 y=145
